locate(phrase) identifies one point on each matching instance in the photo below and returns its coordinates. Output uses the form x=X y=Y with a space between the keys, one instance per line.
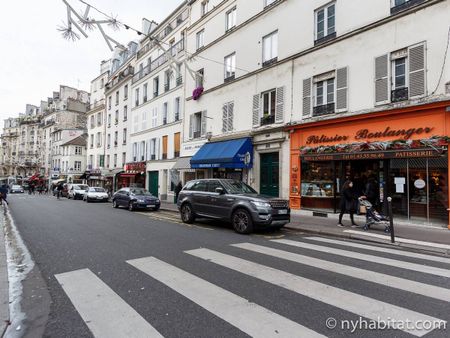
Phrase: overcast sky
x=35 y=59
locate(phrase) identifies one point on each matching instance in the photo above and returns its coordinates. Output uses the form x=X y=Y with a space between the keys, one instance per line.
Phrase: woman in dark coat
x=349 y=202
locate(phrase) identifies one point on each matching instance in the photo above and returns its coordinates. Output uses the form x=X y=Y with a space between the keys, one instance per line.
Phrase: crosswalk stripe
x=369 y=258
x=381 y=249
x=400 y=239
x=250 y=318
x=367 y=275
x=361 y=305
x=104 y=312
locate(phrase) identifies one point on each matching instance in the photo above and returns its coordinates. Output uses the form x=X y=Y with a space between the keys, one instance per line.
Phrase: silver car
x=77 y=191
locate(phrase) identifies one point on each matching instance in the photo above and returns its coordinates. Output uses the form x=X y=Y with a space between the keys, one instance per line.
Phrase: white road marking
x=250 y=318
x=381 y=249
x=400 y=240
x=104 y=312
x=369 y=258
x=367 y=275
x=346 y=300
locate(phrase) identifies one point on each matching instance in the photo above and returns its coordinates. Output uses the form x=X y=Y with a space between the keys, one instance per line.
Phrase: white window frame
x=268 y=2
x=394 y=73
x=124 y=135
x=272 y=39
x=200 y=39
x=261 y=114
x=204 y=7
x=324 y=84
x=230 y=19
x=325 y=22
x=230 y=66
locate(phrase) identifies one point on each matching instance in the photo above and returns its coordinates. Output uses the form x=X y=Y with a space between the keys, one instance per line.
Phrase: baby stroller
x=373 y=217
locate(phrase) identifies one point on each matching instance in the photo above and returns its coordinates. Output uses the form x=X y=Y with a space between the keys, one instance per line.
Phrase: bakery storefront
x=132 y=176
x=404 y=151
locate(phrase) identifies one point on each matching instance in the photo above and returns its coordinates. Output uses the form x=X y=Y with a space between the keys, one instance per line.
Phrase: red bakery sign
x=135 y=167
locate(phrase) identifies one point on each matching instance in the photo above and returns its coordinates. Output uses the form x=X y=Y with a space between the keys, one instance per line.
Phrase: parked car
x=16 y=189
x=135 y=198
x=97 y=194
x=232 y=201
x=77 y=191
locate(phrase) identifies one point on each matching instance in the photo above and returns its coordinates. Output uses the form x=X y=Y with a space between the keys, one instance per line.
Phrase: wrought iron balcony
x=324 y=109
x=400 y=94
x=197 y=134
x=268 y=119
x=405 y=5
x=325 y=39
x=179 y=80
x=270 y=62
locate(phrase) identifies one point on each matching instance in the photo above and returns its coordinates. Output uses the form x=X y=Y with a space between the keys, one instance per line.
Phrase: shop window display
x=317 y=188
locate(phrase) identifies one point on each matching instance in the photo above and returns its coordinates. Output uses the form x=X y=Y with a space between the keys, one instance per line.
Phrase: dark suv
x=233 y=201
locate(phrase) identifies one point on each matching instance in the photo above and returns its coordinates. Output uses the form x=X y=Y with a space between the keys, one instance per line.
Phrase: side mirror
x=220 y=191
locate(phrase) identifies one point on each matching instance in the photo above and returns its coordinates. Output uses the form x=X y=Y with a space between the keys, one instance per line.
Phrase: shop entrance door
x=153 y=182
x=270 y=174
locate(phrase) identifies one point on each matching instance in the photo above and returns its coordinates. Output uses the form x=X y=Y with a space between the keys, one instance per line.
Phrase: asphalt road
x=115 y=273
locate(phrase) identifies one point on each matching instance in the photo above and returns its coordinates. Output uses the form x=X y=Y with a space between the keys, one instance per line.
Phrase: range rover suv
x=232 y=201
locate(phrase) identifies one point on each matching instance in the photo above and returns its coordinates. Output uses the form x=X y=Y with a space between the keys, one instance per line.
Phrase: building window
x=227 y=117
x=230 y=19
x=230 y=67
x=135 y=152
x=177 y=109
x=167 y=75
x=124 y=136
x=116 y=118
x=270 y=48
x=400 y=5
x=324 y=97
x=108 y=141
x=165 y=112
x=144 y=92
x=197 y=126
x=92 y=140
x=176 y=144
x=268 y=107
x=77 y=166
x=117 y=98
x=144 y=120
x=200 y=39
x=116 y=138
x=99 y=119
x=137 y=97
x=99 y=140
x=109 y=102
x=204 y=7
x=115 y=161
x=142 y=151
x=92 y=123
x=78 y=150
x=125 y=113
x=124 y=158
x=107 y=161
x=156 y=86
x=164 y=147
x=399 y=80
x=199 y=76
x=154 y=117
x=325 y=23
x=109 y=120
x=125 y=92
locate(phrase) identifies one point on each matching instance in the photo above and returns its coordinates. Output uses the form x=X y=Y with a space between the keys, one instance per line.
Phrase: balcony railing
x=164 y=156
x=176 y=154
x=268 y=119
x=326 y=38
x=405 y=5
x=197 y=134
x=270 y=62
x=400 y=94
x=179 y=80
x=159 y=61
x=324 y=109
x=229 y=78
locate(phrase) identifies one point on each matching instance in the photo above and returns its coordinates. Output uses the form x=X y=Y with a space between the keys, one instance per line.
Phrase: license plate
x=150 y=206
x=282 y=212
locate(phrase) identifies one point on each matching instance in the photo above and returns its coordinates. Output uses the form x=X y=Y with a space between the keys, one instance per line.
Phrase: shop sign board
x=416 y=153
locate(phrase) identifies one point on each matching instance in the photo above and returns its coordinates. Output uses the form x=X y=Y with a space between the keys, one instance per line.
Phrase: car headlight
x=261 y=204
x=157 y=201
x=141 y=201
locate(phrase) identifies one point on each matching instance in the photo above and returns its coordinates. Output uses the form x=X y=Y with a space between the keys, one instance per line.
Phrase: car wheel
x=88 y=200
x=242 y=221
x=187 y=214
x=115 y=205
x=130 y=206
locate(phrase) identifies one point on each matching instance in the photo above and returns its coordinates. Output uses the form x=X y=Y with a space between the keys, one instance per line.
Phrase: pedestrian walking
x=4 y=192
x=59 y=190
x=177 y=190
x=349 y=202
x=371 y=191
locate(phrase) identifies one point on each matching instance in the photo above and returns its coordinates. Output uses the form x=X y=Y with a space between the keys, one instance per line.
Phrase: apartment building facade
x=157 y=106
x=329 y=64
x=10 y=146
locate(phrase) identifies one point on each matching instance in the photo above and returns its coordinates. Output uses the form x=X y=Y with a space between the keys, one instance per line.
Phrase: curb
x=356 y=237
x=4 y=281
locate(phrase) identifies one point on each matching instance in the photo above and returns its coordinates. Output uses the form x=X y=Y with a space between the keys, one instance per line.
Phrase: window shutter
x=381 y=79
x=341 y=89
x=256 y=103
x=417 y=84
x=307 y=86
x=203 y=129
x=279 y=107
x=225 y=118
x=191 y=126
x=230 y=116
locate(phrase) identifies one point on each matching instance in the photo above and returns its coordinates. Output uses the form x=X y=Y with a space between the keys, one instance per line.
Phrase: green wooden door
x=153 y=182
x=270 y=174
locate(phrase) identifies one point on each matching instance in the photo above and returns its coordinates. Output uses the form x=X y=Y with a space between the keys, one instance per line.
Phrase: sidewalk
x=4 y=285
x=432 y=239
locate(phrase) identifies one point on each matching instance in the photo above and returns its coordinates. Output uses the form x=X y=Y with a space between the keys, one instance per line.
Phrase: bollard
x=391 y=219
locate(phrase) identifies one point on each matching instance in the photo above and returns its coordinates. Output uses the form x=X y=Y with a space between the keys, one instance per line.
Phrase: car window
x=238 y=187
x=97 y=190
x=212 y=185
x=189 y=185
x=141 y=192
x=200 y=186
